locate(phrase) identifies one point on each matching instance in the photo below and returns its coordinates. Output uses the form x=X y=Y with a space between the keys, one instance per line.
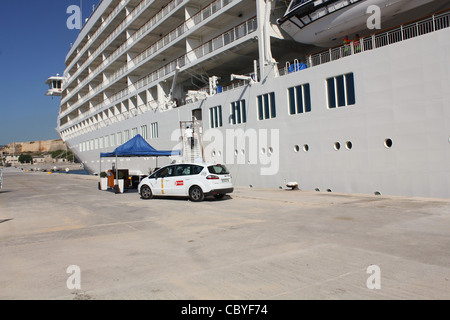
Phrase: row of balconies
x=77 y=56
x=126 y=45
x=105 y=80
x=127 y=22
x=122 y=102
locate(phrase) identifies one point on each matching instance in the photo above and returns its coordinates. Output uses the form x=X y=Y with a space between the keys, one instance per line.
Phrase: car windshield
x=218 y=169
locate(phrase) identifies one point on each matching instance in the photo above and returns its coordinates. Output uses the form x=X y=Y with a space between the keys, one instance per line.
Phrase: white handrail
x=144 y=56
x=208 y=47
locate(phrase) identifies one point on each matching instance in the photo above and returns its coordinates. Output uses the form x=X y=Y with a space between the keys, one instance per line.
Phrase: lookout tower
x=55 y=84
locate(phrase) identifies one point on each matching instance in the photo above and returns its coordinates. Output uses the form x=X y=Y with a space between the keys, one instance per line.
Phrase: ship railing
x=102 y=27
x=94 y=37
x=397 y=34
x=125 y=22
x=164 y=42
x=224 y=39
x=163 y=13
x=210 y=46
x=176 y=33
x=104 y=122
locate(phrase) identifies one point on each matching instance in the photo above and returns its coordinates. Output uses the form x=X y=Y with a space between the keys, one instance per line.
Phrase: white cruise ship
x=348 y=96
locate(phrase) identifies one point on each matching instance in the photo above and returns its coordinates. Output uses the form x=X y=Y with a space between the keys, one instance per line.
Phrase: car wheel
x=196 y=194
x=219 y=196
x=146 y=192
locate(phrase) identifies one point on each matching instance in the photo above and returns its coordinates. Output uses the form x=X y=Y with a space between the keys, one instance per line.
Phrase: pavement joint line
x=319 y=283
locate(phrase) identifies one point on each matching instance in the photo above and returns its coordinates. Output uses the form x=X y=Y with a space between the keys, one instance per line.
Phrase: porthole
x=317 y=189
x=242 y=151
x=337 y=146
x=377 y=193
x=263 y=150
x=306 y=148
x=219 y=153
x=296 y=148
x=388 y=143
x=236 y=152
x=329 y=190
x=270 y=150
x=349 y=145
x=213 y=153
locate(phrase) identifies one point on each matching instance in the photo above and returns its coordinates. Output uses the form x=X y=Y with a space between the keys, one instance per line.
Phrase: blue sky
x=34 y=42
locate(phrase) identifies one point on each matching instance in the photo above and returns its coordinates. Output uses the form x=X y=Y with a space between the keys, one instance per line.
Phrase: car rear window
x=218 y=169
x=196 y=169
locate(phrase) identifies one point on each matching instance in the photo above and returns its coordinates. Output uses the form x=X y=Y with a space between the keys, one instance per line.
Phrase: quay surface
x=255 y=244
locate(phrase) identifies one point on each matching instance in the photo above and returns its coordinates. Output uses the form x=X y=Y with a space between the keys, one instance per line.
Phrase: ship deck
x=255 y=244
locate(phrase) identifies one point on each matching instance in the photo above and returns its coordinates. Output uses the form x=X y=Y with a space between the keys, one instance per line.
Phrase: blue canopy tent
x=137 y=147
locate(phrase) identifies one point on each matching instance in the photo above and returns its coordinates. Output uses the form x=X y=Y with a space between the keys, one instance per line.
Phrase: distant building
x=43 y=159
x=13 y=160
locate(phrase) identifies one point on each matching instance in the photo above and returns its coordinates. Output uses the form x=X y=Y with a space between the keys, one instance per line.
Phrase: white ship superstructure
x=263 y=94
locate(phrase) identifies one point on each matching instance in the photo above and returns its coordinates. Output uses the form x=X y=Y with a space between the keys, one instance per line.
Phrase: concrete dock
x=253 y=245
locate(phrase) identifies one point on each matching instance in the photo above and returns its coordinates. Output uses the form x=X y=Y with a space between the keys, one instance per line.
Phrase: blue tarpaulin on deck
x=138 y=147
x=297 y=67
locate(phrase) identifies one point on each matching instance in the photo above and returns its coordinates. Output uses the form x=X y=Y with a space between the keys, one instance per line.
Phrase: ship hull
x=394 y=139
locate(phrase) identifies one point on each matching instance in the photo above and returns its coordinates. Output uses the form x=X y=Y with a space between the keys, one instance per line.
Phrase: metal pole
x=117 y=172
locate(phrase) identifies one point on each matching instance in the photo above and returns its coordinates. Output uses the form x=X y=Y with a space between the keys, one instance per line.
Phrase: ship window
x=126 y=135
x=341 y=91
x=299 y=99
x=134 y=132
x=113 y=140
x=154 y=129
x=144 y=132
x=119 y=138
x=238 y=112
x=331 y=94
x=215 y=117
x=266 y=106
x=101 y=143
x=106 y=141
x=350 y=84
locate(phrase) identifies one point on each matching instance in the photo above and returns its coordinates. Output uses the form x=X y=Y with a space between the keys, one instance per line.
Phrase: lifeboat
x=323 y=22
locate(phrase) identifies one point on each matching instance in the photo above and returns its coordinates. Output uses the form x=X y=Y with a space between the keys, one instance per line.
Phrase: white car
x=192 y=180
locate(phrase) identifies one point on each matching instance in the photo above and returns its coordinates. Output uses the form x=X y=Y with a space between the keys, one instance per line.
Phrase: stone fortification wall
x=34 y=146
